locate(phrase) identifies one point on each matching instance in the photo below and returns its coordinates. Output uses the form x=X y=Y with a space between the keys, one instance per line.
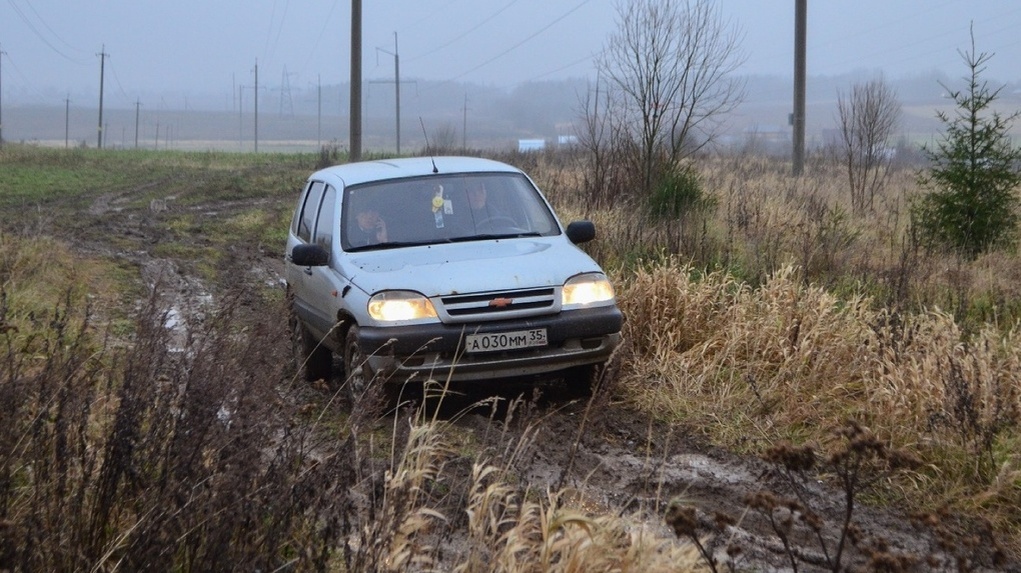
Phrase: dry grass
x=775 y=318
x=509 y=528
x=783 y=314
x=789 y=361
x=206 y=457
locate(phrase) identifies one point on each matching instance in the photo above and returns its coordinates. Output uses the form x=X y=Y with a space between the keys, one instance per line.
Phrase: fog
x=516 y=67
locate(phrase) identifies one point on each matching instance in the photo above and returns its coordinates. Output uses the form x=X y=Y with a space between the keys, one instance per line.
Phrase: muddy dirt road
x=616 y=459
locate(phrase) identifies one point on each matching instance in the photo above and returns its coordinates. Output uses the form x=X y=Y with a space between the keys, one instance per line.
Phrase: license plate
x=505 y=340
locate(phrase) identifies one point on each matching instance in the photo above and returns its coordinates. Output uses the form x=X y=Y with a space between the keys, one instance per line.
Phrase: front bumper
x=575 y=338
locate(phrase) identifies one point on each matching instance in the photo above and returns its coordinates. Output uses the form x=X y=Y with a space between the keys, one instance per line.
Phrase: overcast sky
x=208 y=46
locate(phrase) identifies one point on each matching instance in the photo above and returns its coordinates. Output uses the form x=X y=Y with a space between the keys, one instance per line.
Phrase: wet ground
x=615 y=458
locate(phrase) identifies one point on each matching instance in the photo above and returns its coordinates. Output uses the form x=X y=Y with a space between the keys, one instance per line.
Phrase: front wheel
x=356 y=366
x=364 y=385
x=584 y=381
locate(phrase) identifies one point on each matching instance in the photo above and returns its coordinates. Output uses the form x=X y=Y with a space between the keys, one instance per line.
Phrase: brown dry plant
x=788 y=361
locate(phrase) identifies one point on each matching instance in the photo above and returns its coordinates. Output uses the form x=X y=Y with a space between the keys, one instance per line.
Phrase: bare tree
x=669 y=66
x=867 y=122
x=444 y=139
x=605 y=147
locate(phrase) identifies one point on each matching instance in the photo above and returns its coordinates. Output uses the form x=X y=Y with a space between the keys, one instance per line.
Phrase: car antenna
x=428 y=148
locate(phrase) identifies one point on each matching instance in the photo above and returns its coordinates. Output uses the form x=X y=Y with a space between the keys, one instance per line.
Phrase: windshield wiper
x=490 y=236
x=390 y=245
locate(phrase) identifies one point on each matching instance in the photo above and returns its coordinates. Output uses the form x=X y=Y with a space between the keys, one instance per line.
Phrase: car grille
x=497 y=305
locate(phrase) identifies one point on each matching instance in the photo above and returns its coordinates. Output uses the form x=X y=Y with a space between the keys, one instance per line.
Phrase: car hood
x=476 y=266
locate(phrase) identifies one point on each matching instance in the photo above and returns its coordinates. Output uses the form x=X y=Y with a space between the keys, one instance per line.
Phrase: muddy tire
x=357 y=374
x=312 y=361
x=582 y=381
x=370 y=390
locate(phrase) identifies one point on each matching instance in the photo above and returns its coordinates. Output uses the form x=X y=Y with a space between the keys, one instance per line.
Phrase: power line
x=522 y=42
x=271 y=48
x=466 y=32
x=117 y=80
x=587 y=58
x=41 y=37
x=315 y=45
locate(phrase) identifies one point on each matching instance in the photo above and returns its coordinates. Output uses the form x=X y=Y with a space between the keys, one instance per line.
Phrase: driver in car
x=484 y=215
x=369 y=230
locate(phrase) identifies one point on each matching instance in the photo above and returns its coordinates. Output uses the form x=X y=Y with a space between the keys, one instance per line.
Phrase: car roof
x=383 y=169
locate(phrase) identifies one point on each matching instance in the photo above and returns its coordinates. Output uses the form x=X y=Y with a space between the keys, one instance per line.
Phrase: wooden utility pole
x=397 y=86
x=464 y=124
x=1 y=100
x=102 y=65
x=319 y=112
x=138 y=104
x=256 y=105
x=800 y=35
x=355 y=152
x=241 y=118
x=67 y=120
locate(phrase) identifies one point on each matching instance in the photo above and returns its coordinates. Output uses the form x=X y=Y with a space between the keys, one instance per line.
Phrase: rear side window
x=324 y=223
x=308 y=211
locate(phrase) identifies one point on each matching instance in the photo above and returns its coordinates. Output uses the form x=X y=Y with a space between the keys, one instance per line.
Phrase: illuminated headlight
x=400 y=306
x=586 y=290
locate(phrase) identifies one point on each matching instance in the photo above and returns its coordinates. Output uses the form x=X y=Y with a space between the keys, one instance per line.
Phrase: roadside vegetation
x=766 y=317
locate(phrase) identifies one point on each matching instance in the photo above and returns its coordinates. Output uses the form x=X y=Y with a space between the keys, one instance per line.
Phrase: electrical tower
x=285 y=95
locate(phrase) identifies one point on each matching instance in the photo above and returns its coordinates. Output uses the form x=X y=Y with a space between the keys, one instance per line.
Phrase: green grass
x=31 y=174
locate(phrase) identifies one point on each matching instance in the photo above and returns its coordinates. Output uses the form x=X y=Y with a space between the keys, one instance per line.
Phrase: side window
x=308 y=211
x=324 y=223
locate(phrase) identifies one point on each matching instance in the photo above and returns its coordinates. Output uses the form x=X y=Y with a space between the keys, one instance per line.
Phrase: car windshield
x=443 y=208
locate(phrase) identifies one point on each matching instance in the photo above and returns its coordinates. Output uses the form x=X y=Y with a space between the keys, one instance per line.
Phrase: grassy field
x=769 y=321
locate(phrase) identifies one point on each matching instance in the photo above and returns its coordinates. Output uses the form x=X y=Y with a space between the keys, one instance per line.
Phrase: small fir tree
x=975 y=171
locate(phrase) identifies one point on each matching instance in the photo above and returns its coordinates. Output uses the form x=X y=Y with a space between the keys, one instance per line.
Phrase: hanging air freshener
x=437 y=205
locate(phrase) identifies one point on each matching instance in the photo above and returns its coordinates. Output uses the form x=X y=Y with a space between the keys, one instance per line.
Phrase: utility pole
x=256 y=105
x=241 y=118
x=67 y=121
x=1 y=99
x=397 y=87
x=464 y=124
x=800 y=35
x=138 y=104
x=102 y=64
x=355 y=151
x=319 y=112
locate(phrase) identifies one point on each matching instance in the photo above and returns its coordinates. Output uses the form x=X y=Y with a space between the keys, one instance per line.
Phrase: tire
x=583 y=381
x=357 y=374
x=365 y=387
x=312 y=361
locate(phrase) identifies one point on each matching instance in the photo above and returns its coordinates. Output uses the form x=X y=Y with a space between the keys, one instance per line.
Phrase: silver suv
x=441 y=268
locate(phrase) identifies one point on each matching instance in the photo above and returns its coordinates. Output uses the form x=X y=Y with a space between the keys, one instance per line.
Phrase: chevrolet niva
x=445 y=268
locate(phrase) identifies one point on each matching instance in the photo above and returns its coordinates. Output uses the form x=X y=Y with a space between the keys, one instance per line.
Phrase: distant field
x=193 y=130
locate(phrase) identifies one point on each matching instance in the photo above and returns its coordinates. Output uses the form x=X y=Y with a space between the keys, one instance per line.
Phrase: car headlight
x=400 y=306
x=587 y=290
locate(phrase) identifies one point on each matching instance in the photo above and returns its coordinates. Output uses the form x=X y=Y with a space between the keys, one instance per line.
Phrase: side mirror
x=581 y=231
x=310 y=256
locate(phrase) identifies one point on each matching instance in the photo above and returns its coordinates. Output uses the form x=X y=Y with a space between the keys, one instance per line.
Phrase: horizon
x=51 y=50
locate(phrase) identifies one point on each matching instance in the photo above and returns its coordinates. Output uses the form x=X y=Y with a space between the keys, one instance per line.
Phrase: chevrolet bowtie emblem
x=501 y=302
